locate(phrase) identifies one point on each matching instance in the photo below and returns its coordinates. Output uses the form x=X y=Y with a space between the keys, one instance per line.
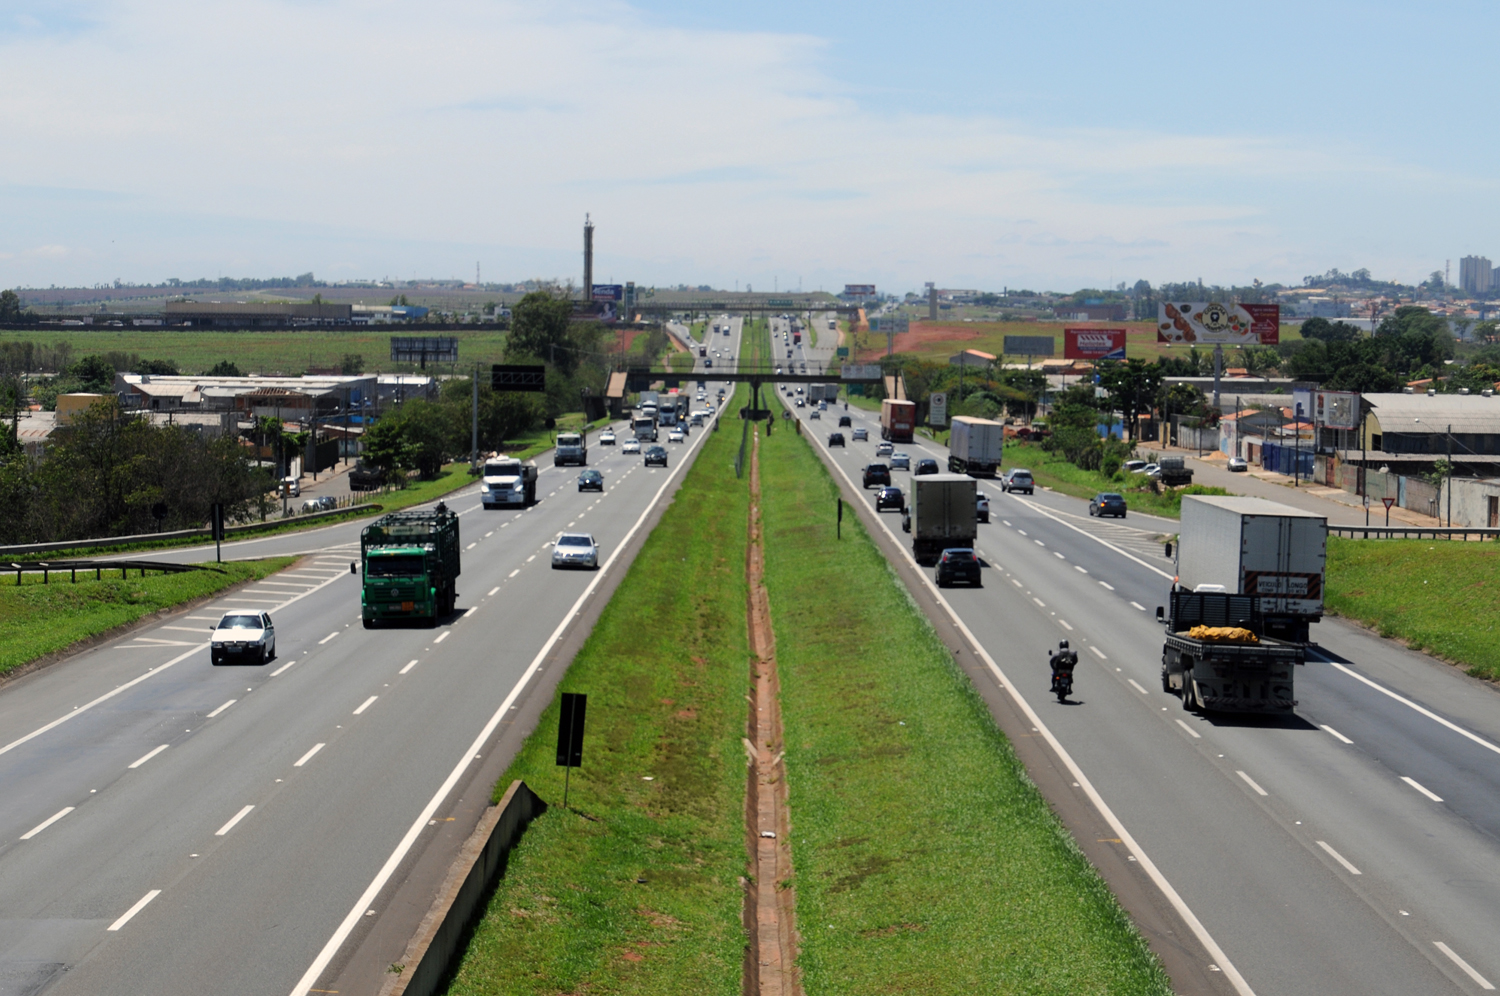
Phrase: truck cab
x=507 y=482
x=411 y=566
x=572 y=448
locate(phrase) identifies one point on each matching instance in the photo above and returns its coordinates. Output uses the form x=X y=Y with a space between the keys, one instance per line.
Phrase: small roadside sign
x=937 y=408
x=1388 y=503
x=570 y=736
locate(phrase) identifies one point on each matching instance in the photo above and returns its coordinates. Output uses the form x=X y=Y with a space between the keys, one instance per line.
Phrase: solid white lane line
x=1339 y=858
x=1422 y=788
x=1251 y=782
x=1136 y=686
x=442 y=636
x=513 y=573
x=1098 y=653
x=232 y=821
x=221 y=708
x=1079 y=569
x=1408 y=702
x=1191 y=732
x=328 y=637
x=140 y=905
x=1138 y=605
x=141 y=761
x=1084 y=532
x=46 y=823
x=1106 y=584
x=409 y=665
x=1479 y=980
x=366 y=704
x=357 y=912
x=283 y=667
x=1336 y=734
x=494 y=589
x=308 y=756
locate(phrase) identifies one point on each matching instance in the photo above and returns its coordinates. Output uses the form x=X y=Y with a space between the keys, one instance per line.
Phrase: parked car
x=958 y=563
x=243 y=636
x=607 y=437
x=631 y=446
x=1017 y=479
x=845 y=420
x=1132 y=466
x=313 y=505
x=575 y=550
x=884 y=449
x=591 y=480
x=926 y=466
x=1150 y=470
x=675 y=436
x=890 y=497
x=656 y=455
x=899 y=461
x=1107 y=503
x=981 y=506
x=290 y=487
x=1239 y=464
x=861 y=435
x=835 y=438
x=877 y=473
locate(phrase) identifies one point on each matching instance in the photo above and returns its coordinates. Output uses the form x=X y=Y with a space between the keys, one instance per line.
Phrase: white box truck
x=942 y=514
x=975 y=446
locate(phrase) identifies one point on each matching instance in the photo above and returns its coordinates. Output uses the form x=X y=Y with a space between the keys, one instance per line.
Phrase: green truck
x=411 y=566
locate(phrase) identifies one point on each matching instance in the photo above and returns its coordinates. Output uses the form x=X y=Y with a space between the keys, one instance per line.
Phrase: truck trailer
x=897 y=420
x=411 y=566
x=1217 y=656
x=942 y=515
x=975 y=446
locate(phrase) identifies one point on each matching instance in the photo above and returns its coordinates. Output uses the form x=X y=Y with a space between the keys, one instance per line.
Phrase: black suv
x=928 y=466
x=845 y=420
x=958 y=564
x=877 y=473
x=834 y=438
x=890 y=497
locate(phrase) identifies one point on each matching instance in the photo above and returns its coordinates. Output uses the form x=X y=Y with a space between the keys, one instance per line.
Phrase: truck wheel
x=1189 y=693
x=1166 y=681
x=369 y=624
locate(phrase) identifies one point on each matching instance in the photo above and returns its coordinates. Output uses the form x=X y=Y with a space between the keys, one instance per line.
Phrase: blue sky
x=976 y=145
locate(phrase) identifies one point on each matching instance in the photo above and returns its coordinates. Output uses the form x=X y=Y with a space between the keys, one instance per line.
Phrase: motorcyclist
x=1063 y=661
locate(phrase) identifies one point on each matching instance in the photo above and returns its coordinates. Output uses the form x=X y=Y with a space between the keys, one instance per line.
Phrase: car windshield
x=394 y=567
x=574 y=541
x=1110 y=498
x=958 y=556
x=590 y=475
x=502 y=470
x=240 y=622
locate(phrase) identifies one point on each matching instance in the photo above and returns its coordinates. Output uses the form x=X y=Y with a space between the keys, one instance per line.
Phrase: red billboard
x=1094 y=344
x=1265 y=320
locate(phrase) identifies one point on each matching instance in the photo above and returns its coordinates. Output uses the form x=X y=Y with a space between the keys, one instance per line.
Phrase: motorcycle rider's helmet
x=1063 y=645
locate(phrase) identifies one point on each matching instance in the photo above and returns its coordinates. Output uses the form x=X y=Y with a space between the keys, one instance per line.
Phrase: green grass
x=1050 y=470
x=1418 y=591
x=38 y=619
x=925 y=859
x=666 y=669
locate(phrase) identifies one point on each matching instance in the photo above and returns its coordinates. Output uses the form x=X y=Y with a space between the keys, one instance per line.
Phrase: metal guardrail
x=48 y=567
x=1480 y=533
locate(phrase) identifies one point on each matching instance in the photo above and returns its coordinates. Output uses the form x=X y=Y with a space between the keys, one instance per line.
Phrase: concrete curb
x=443 y=933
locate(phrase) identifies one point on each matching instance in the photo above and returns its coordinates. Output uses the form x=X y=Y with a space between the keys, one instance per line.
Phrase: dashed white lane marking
x=516 y=571
x=1479 y=980
x=1021 y=531
x=1107 y=585
x=308 y=756
x=46 y=823
x=1098 y=653
x=528 y=560
x=409 y=665
x=328 y=637
x=1039 y=543
x=442 y=636
x=221 y=708
x=1006 y=521
x=1136 y=686
x=494 y=589
x=141 y=761
x=140 y=905
x=232 y=821
x=1138 y=605
x=1422 y=788
x=571 y=524
x=1339 y=858
x=366 y=704
x=471 y=611
x=1016 y=583
x=489 y=534
x=1336 y=734
x=1251 y=782
x=283 y=667
x=1080 y=569
x=1039 y=601
x=1058 y=555
x=1064 y=624
x=1191 y=732
x=472 y=545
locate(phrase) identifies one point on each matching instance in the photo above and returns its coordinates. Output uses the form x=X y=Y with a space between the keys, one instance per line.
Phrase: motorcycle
x=1063 y=663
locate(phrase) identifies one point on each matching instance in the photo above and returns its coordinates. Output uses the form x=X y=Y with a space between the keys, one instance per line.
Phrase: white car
x=861 y=435
x=243 y=636
x=675 y=436
x=631 y=446
x=884 y=449
x=900 y=461
x=576 y=550
x=607 y=438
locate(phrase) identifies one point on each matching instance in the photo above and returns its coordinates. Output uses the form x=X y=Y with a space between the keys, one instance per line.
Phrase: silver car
x=243 y=636
x=861 y=435
x=631 y=446
x=576 y=550
x=901 y=461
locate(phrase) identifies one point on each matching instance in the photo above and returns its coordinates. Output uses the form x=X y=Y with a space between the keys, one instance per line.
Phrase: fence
x=1475 y=533
x=1288 y=460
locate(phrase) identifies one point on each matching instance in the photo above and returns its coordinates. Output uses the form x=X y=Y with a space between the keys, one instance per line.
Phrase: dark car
x=591 y=480
x=877 y=473
x=890 y=497
x=1017 y=479
x=1107 y=503
x=958 y=563
x=928 y=466
x=656 y=455
x=835 y=438
x=845 y=420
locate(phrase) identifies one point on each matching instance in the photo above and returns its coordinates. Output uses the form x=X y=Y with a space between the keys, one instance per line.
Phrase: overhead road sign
x=861 y=372
x=1030 y=345
x=423 y=349
x=780 y=302
x=1094 y=344
x=518 y=377
x=1215 y=323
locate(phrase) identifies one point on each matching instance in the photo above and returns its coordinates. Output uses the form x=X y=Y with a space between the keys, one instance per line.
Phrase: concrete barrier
x=439 y=940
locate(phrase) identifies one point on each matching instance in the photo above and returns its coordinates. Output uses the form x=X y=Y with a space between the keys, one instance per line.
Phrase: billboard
x=1094 y=344
x=859 y=290
x=1336 y=409
x=518 y=377
x=1213 y=322
x=860 y=371
x=937 y=408
x=890 y=324
x=608 y=292
x=1029 y=345
x=424 y=348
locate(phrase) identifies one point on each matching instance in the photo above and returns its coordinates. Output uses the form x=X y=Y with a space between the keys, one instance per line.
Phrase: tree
x=1132 y=385
x=352 y=365
x=1325 y=331
x=94 y=374
x=539 y=330
x=10 y=306
x=224 y=368
x=1366 y=378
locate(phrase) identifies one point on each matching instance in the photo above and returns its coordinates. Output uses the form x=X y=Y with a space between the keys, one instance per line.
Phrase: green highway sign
x=779 y=302
x=842 y=352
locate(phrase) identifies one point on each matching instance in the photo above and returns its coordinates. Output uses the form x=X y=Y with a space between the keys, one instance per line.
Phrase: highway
x=1350 y=848
x=172 y=827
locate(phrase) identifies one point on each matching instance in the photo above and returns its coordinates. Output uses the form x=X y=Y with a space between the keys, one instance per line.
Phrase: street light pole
x=1297 y=431
x=1450 y=476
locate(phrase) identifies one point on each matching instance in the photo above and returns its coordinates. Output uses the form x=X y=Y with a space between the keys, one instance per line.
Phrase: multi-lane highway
x=1350 y=849
x=174 y=827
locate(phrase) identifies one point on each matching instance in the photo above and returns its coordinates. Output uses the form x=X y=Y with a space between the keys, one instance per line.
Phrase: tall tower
x=588 y=259
x=932 y=308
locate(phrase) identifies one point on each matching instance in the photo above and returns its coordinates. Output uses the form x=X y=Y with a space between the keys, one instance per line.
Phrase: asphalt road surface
x=1350 y=848
x=171 y=827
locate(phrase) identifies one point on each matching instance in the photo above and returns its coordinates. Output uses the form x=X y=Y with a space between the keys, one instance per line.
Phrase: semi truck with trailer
x=975 y=446
x=942 y=514
x=572 y=448
x=411 y=566
x=897 y=420
x=508 y=482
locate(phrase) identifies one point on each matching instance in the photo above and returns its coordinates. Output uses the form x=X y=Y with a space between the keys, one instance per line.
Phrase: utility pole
x=1450 y=476
x=474 y=429
x=1363 y=457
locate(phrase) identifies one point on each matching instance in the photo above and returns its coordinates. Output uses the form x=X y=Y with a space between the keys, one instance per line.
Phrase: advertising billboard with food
x=1094 y=344
x=1214 y=322
x=1336 y=409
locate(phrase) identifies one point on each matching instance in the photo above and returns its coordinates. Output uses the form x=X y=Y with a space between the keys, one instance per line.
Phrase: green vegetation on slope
x=38 y=619
x=637 y=888
x=926 y=861
x=1052 y=470
x=1440 y=597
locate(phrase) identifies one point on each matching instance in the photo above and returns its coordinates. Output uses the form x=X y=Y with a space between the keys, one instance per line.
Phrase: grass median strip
x=37 y=619
x=639 y=888
x=926 y=860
